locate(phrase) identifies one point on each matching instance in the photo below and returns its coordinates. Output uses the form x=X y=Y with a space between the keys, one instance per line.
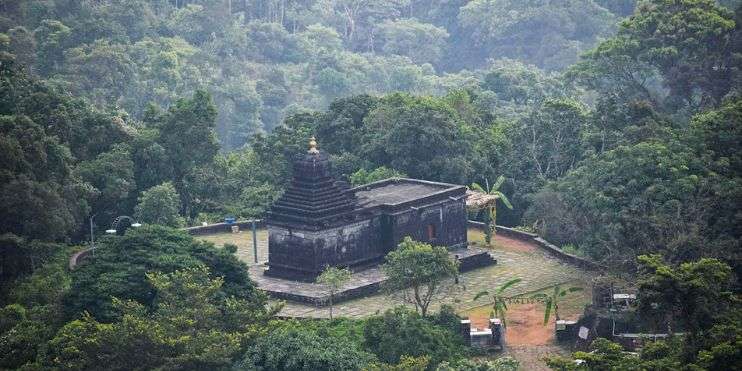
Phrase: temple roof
x=313 y=199
x=403 y=192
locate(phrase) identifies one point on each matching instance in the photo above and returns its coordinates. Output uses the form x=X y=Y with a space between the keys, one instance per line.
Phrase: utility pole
x=92 y=236
x=255 y=240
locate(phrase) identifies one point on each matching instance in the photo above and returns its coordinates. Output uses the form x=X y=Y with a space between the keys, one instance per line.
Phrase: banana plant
x=499 y=302
x=551 y=302
x=489 y=233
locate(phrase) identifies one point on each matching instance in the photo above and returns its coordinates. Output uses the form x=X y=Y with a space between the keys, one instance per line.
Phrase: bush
x=121 y=262
x=400 y=332
x=159 y=205
x=303 y=349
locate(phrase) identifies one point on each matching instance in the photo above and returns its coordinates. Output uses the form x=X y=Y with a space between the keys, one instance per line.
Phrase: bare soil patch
x=525 y=325
x=511 y=244
x=531 y=357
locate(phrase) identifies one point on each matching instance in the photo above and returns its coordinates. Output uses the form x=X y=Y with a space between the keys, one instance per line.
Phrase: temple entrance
x=431 y=232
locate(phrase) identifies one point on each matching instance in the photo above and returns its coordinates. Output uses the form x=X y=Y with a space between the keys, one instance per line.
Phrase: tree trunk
x=331 y=304
x=493 y=221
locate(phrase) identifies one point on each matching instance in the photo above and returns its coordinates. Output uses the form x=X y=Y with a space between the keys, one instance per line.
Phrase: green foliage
x=39 y=198
x=111 y=174
x=187 y=135
x=419 y=271
x=406 y=363
x=655 y=196
x=422 y=137
x=159 y=205
x=690 y=44
x=21 y=257
x=552 y=136
x=120 y=263
x=695 y=294
x=333 y=279
x=37 y=312
x=634 y=151
x=363 y=176
x=399 y=332
x=192 y=326
x=499 y=301
x=492 y=207
x=422 y=42
x=551 y=302
x=604 y=355
x=526 y=30
x=300 y=349
x=657 y=355
x=499 y=364
x=299 y=55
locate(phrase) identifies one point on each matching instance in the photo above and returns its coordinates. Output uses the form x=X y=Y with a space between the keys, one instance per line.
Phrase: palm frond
x=547 y=312
x=508 y=284
x=480 y=294
x=504 y=200
x=498 y=183
x=477 y=188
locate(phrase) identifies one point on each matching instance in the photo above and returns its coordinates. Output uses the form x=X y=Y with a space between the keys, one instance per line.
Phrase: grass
x=571 y=306
x=243 y=240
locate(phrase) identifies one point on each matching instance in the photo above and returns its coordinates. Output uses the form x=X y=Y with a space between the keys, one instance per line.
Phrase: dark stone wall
x=304 y=254
x=448 y=219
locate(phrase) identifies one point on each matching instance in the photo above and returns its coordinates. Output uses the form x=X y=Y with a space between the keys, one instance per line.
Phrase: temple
x=320 y=222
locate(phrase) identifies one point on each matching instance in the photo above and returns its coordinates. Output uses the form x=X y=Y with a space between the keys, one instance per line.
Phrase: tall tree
x=187 y=134
x=159 y=205
x=419 y=271
x=690 y=43
x=694 y=294
x=40 y=197
x=422 y=137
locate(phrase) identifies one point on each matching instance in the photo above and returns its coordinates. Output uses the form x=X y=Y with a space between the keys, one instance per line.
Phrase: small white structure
x=492 y=337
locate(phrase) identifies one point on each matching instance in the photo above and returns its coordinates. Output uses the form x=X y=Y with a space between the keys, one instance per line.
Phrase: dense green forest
x=616 y=124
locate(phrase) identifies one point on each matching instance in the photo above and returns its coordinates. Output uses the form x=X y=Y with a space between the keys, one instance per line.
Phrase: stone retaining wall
x=245 y=225
x=546 y=245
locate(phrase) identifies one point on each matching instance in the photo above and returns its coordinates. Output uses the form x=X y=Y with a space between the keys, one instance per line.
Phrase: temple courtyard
x=515 y=259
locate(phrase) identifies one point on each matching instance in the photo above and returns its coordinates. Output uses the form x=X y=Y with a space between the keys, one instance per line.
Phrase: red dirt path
x=524 y=321
x=511 y=244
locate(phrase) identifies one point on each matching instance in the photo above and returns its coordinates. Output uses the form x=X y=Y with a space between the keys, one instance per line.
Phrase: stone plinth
x=362 y=283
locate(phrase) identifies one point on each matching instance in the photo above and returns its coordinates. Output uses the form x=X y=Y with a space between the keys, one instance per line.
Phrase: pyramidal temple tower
x=314 y=200
x=320 y=222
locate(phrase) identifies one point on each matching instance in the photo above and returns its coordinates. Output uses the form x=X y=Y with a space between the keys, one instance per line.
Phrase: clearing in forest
x=515 y=259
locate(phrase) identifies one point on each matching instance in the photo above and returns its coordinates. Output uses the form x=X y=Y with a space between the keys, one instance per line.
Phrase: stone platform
x=362 y=283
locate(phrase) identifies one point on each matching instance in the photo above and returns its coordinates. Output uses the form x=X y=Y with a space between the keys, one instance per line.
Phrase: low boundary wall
x=542 y=243
x=245 y=225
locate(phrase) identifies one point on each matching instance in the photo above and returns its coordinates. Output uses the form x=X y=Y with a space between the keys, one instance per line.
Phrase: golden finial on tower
x=313 y=145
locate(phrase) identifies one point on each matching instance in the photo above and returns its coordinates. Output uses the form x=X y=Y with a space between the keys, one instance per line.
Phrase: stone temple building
x=319 y=221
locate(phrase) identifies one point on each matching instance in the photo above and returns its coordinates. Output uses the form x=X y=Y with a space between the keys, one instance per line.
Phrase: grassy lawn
x=243 y=240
